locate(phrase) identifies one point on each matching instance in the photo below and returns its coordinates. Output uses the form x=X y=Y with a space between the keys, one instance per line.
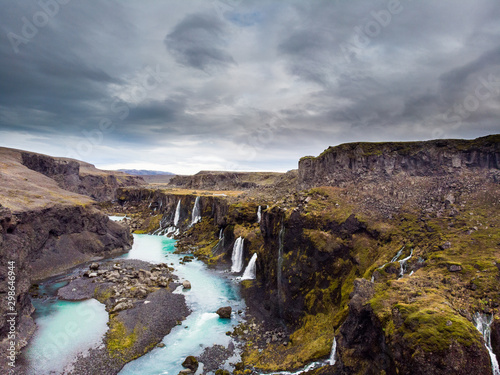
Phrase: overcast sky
x=183 y=86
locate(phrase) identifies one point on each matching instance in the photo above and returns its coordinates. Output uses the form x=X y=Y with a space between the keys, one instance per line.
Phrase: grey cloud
x=290 y=70
x=454 y=83
x=198 y=42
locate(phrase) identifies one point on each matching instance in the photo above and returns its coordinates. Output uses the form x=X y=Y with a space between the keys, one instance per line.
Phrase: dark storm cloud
x=454 y=82
x=165 y=111
x=198 y=41
x=284 y=78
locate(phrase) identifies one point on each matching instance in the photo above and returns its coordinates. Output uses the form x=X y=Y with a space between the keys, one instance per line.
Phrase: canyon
x=384 y=251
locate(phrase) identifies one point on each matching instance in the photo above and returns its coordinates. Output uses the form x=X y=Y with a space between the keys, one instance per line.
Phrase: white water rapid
x=237 y=255
x=249 y=273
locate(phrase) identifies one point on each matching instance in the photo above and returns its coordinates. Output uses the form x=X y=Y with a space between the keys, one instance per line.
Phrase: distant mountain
x=144 y=172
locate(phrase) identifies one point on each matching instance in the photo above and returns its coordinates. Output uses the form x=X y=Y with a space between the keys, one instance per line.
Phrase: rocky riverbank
x=141 y=306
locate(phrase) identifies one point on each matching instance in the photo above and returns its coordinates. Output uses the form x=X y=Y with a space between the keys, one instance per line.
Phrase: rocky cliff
x=381 y=161
x=45 y=229
x=207 y=180
x=79 y=177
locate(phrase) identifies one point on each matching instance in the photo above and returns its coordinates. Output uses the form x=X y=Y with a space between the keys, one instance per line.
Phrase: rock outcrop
x=380 y=161
x=80 y=177
x=46 y=228
x=209 y=180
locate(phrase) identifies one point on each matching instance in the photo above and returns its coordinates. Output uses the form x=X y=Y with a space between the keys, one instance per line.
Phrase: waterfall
x=237 y=256
x=281 y=240
x=397 y=255
x=395 y=259
x=333 y=353
x=402 y=263
x=259 y=214
x=171 y=231
x=483 y=325
x=219 y=246
x=249 y=273
x=196 y=215
x=177 y=213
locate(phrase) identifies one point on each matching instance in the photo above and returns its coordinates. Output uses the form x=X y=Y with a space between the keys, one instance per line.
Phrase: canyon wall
x=208 y=180
x=79 y=177
x=381 y=161
x=46 y=227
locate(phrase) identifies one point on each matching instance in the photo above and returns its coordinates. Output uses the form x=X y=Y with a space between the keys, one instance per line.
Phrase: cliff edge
x=363 y=161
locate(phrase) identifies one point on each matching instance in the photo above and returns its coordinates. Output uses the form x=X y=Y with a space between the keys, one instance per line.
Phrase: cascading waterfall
x=249 y=273
x=259 y=214
x=237 y=256
x=281 y=239
x=333 y=353
x=483 y=325
x=394 y=259
x=196 y=215
x=402 y=264
x=177 y=213
x=398 y=254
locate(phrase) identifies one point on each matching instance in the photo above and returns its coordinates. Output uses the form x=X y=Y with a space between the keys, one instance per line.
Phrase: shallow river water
x=65 y=329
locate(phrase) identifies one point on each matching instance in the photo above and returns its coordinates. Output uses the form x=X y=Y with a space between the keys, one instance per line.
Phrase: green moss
x=312 y=341
x=150 y=225
x=324 y=241
x=434 y=331
x=102 y=294
x=119 y=340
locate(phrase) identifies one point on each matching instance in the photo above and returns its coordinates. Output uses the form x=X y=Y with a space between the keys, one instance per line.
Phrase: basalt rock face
x=13 y=257
x=361 y=336
x=310 y=255
x=207 y=180
x=60 y=237
x=79 y=177
x=380 y=161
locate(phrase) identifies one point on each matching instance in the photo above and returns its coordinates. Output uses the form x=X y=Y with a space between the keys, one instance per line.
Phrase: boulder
x=454 y=268
x=225 y=312
x=445 y=246
x=186 y=284
x=122 y=306
x=94 y=266
x=190 y=363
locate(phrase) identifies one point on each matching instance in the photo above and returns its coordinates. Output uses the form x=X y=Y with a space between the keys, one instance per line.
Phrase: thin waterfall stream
x=483 y=325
